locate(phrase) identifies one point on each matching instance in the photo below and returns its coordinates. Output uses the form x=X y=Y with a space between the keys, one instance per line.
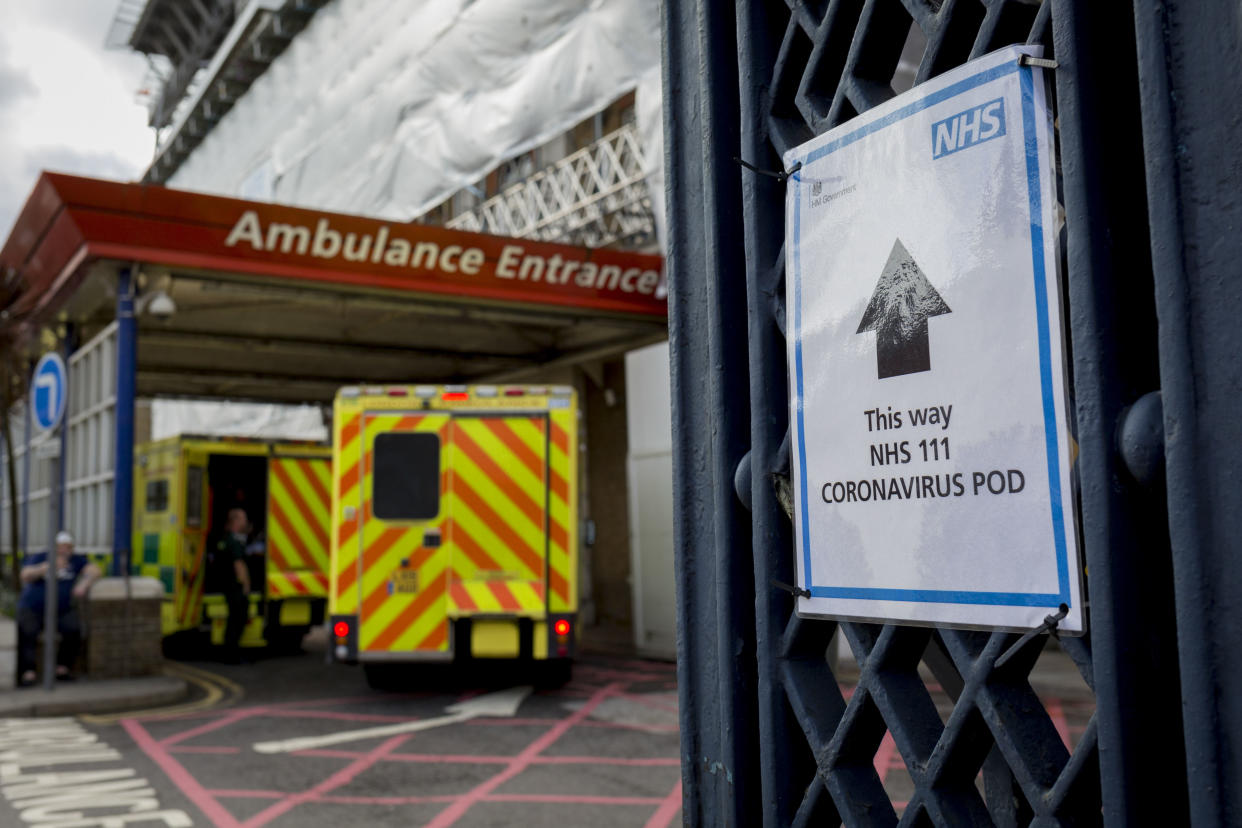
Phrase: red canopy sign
x=69 y=221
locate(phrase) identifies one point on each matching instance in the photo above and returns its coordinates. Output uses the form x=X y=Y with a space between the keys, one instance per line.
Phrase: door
x=299 y=506
x=192 y=552
x=403 y=565
x=498 y=532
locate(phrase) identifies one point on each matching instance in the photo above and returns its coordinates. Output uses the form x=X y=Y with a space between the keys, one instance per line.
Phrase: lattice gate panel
x=830 y=67
x=995 y=754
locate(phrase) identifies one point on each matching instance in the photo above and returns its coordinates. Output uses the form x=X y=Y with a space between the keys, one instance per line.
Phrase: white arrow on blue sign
x=49 y=387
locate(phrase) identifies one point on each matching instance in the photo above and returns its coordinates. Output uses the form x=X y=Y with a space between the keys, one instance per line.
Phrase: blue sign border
x=1046 y=373
x=51 y=357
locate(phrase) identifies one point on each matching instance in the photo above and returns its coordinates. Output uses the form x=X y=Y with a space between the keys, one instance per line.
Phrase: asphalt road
x=292 y=741
x=600 y=751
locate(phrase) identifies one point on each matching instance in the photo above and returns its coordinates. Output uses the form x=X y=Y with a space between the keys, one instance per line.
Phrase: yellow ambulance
x=184 y=488
x=454 y=526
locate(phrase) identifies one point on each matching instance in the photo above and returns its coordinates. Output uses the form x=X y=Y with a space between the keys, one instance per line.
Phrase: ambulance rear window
x=406 y=482
x=157 y=495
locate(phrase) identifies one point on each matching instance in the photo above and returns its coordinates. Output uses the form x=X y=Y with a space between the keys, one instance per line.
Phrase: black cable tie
x=1051 y=622
x=797 y=592
x=779 y=175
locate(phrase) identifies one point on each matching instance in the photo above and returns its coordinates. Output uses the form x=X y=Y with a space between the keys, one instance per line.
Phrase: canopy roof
x=281 y=303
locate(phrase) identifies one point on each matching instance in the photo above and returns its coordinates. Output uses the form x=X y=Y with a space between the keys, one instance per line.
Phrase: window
x=406 y=481
x=194 y=497
x=157 y=495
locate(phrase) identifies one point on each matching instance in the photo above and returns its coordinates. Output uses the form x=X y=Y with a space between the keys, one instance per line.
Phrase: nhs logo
x=966 y=129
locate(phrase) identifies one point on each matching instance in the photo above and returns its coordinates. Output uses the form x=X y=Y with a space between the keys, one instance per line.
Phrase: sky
x=67 y=104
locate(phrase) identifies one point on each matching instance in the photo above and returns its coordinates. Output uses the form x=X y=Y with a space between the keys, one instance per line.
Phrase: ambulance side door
x=192 y=561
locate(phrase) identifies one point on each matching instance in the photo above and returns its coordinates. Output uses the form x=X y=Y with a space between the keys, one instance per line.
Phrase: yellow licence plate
x=405 y=580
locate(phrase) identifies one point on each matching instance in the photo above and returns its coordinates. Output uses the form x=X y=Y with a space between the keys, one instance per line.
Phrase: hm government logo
x=819 y=198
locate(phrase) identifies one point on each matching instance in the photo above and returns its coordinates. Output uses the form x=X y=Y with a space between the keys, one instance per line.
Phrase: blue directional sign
x=49 y=387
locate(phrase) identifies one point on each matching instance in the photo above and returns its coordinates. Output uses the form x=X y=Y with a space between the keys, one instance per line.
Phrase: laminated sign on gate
x=932 y=450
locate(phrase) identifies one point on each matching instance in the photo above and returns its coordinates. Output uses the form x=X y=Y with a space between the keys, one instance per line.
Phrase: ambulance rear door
x=498 y=533
x=298 y=513
x=403 y=565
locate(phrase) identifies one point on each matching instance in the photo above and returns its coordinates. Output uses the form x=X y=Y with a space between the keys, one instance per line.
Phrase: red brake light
x=515 y=392
x=455 y=395
x=561 y=627
x=398 y=392
x=341 y=629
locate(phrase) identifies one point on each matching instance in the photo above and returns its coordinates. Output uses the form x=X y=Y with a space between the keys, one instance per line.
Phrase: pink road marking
x=609 y=725
x=1057 y=714
x=657 y=669
x=341 y=777
x=574 y=799
x=483 y=759
x=203 y=749
x=224 y=721
x=884 y=756
x=410 y=757
x=658 y=705
x=336 y=700
x=667 y=812
x=180 y=777
x=550 y=798
x=292 y=713
x=618 y=675
x=384 y=800
x=522 y=761
x=654 y=762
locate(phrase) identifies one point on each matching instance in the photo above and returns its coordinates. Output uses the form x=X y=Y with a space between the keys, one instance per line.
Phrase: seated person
x=74 y=576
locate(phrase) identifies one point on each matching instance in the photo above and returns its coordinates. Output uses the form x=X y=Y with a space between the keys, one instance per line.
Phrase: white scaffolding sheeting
x=170 y=418
x=386 y=108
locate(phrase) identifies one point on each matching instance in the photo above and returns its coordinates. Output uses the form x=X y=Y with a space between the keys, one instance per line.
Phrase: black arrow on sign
x=902 y=303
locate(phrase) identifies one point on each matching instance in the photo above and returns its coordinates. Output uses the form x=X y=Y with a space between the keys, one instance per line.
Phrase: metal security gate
x=1149 y=190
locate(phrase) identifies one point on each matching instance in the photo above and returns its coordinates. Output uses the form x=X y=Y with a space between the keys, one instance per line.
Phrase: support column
x=68 y=346
x=126 y=376
x=29 y=406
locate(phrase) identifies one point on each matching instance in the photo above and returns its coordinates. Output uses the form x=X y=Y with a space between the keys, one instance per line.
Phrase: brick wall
x=121 y=642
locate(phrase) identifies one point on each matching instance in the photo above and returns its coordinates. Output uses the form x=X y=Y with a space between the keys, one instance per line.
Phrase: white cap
x=63 y=537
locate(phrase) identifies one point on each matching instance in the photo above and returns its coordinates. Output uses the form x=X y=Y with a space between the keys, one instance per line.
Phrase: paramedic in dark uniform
x=233 y=577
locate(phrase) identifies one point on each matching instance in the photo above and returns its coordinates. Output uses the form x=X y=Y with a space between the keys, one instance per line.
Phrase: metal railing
x=595 y=197
x=768 y=735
